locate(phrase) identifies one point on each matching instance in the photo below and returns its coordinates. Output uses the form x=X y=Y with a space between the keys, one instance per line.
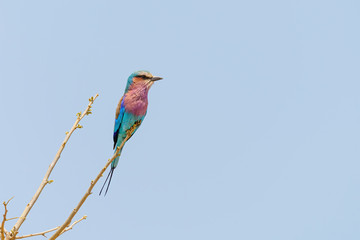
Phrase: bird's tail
x=109 y=176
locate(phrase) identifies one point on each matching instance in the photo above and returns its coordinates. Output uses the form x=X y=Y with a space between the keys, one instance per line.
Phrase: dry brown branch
x=3 y=232
x=51 y=230
x=88 y=192
x=12 y=218
x=15 y=229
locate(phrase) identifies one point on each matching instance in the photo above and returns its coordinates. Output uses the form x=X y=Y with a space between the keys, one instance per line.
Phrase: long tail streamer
x=109 y=175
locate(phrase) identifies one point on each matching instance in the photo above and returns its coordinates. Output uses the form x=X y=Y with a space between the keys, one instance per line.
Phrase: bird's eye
x=143 y=76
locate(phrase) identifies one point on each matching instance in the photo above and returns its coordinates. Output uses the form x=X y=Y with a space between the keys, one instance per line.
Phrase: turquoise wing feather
x=120 y=110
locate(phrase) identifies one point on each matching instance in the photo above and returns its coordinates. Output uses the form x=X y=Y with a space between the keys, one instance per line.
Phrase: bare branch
x=45 y=180
x=12 y=218
x=74 y=223
x=38 y=234
x=88 y=192
x=51 y=230
x=3 y=232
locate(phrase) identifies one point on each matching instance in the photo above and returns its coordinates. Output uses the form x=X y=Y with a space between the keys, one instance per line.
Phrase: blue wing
x=118 y=119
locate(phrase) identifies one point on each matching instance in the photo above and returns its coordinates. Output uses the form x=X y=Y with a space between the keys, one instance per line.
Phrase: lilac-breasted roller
x=130 y=111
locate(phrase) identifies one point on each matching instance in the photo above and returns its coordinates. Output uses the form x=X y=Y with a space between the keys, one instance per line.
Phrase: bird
x=130 y=112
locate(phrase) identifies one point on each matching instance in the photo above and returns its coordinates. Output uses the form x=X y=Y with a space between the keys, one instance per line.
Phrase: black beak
x=156 y=79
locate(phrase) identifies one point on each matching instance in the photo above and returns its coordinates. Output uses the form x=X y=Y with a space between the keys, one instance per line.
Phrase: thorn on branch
x=50 y=181
x=79 y=126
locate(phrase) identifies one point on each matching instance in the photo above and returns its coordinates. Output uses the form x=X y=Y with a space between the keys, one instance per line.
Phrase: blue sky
x=252 y=134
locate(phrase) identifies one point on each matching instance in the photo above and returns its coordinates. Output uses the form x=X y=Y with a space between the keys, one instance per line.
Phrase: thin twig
x=37 y=234
x=51 y=230
x=88 y=192
x=74 y=223
x=3 y=232
x=15 y=229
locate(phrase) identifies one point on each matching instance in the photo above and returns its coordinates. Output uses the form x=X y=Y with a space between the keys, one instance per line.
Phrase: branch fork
x=53 y=229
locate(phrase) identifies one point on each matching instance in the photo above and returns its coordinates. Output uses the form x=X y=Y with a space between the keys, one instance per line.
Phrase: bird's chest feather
x=136 y=101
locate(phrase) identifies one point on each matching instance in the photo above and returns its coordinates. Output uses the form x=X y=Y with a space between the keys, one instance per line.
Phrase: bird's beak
x=156 y=79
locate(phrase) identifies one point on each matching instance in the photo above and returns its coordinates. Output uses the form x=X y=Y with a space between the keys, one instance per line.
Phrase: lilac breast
x=136 y=101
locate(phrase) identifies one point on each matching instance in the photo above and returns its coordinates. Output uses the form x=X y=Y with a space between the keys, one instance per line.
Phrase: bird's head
x=144 y=77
